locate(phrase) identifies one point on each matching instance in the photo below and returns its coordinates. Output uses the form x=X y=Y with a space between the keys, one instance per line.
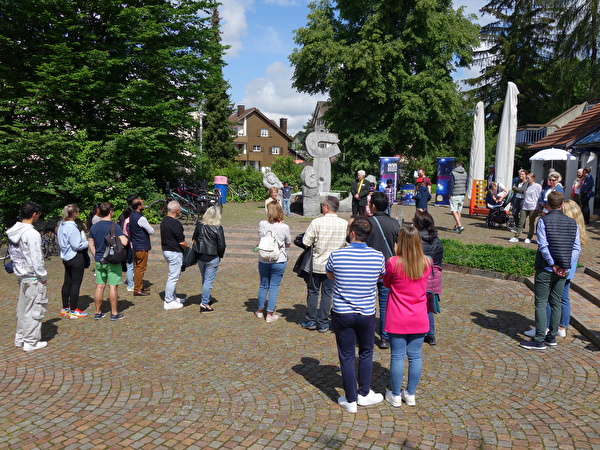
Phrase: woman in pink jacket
x=406 y=318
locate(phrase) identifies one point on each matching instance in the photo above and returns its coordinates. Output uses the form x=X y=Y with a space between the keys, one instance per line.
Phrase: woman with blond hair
x=72 y=248
x=570 y=209
x=271 y=272
x=406 y=319
x=209 y=245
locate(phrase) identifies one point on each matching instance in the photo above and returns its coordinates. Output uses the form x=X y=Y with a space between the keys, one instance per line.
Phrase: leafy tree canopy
x=99 y=93
x=386 y=67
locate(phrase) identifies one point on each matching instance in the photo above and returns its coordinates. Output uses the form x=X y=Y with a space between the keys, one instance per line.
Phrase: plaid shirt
x=390 y=192
x=325 y=233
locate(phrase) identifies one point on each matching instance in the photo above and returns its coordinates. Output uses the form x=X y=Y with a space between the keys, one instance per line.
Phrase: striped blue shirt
x=356 y=269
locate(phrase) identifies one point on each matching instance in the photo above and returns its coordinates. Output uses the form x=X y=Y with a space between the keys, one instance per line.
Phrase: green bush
x=514 y=260
x=245 y=181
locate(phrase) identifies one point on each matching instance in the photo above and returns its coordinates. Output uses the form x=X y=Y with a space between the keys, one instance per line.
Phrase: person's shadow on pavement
x=508 y=322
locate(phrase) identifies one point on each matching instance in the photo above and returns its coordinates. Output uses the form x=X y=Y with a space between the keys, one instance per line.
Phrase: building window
x=256 y=148
x=275 y=150
x=264 y=132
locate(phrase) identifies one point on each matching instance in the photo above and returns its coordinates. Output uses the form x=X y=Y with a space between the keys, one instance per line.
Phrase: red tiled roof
x=577 y=128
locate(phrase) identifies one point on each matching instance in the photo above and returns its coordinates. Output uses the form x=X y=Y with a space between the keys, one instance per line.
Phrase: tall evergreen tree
x=579 y=39
x=112 y=77
x=517 y=47
x=386 y=66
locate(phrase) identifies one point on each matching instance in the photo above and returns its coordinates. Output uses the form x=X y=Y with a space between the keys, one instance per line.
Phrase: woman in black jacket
x=432 y=247
x=209 y=245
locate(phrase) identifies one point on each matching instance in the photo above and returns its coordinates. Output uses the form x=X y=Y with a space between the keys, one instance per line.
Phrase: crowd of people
x=400 y=267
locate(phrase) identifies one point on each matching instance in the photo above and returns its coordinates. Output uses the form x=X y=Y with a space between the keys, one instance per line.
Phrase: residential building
x=260 y=140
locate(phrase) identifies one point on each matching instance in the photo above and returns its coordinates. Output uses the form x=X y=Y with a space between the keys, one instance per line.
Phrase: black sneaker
x=533 y=345
x=430 y=340
x=118 y=316
x=460 y=229
x=99 y=316
x=550 y=341
x=384 y=344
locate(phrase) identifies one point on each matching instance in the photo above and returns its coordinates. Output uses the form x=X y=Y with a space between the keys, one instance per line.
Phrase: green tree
x=517 y=47
x=287 y=170
x=122 y=74
x=386 y=67
x=579 y=38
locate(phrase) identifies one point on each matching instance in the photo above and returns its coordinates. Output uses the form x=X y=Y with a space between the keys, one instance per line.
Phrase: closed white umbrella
x=477 y=160
x=507 y=137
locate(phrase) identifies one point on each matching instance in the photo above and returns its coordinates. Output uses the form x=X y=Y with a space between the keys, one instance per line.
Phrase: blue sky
x=260 y=33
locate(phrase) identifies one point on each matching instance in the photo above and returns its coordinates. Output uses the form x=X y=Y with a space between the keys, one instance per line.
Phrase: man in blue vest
x=139 y=233
x=558 y=246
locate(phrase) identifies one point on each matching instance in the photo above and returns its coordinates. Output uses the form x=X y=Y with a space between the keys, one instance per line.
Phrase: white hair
x=173 y=206
x=361 y=172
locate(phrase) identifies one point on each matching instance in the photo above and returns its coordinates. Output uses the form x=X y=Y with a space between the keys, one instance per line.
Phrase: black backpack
x=116 y=252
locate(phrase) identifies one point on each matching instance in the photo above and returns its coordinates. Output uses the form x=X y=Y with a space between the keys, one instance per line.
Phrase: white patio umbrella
x=477 y=160
x=507 y=137
x=553 y=154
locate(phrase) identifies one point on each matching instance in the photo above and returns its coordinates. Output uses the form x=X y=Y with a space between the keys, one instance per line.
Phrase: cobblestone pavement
x=185 y=379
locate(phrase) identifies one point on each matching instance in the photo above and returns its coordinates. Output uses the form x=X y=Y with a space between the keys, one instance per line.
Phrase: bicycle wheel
x=159 y=206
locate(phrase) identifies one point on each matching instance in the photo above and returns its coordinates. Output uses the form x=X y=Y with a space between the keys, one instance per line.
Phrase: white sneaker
x=130 y=289
x=513 y=239
x=29 y=348
x=531 y=333
x=371 y=398
x=271 y=318
x=349 y=407
x=562 y=332
x=180 y=300
x=394 y=400
x=408 y=399
x=172 y=305
x=527 y=241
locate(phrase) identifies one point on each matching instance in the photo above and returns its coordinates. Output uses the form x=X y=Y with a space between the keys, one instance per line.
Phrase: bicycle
x=47 y=231
x=193 y=202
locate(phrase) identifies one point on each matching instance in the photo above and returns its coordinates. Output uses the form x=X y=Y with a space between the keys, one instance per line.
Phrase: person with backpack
x=25 y=250
x=274 y=238
x=106 y=272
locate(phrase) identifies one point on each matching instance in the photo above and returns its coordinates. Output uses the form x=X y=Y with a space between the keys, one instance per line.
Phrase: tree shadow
x=510 y=323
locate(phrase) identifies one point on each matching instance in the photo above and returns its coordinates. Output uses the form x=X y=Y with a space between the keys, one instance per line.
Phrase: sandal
x=206 y=308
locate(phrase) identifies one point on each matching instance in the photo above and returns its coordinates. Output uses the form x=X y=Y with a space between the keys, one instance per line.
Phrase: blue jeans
x=270 y=280
x=208 y=270
x=403 y=345
x=348 y=329
x=319 y=282
x=286 y=206
x=174 y=260
x=382 y=293
x=130 y=275
x=431 y=332
x=548 y=288
x=565 y=307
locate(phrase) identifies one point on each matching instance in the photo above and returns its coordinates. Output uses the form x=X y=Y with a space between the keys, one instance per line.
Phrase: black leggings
x=74 y=269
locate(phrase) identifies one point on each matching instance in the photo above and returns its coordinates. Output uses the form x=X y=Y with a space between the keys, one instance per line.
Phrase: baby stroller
x=498 y=215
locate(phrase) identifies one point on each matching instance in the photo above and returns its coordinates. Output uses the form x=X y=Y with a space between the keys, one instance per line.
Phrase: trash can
x=220 y=183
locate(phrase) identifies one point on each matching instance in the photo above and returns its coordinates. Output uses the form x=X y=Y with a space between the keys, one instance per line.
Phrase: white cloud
x=276 y=98
x=284 y=2
x=233 y=24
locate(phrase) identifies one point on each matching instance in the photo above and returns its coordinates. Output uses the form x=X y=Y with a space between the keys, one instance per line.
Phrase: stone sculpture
x=321 y=155
x=311 y=202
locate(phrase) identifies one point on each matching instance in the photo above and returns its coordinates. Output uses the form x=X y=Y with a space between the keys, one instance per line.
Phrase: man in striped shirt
x=355 y=270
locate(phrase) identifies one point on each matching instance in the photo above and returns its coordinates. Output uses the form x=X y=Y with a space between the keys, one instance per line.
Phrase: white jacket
x=31 y=260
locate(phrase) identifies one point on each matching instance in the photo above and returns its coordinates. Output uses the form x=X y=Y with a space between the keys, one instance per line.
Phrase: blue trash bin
x=220 y=183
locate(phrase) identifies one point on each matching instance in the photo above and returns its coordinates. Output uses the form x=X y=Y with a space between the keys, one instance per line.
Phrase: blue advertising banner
x=442 y=191
x=388 y=170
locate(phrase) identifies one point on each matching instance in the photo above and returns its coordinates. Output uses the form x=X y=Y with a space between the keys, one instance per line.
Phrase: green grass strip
x=514 y=260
